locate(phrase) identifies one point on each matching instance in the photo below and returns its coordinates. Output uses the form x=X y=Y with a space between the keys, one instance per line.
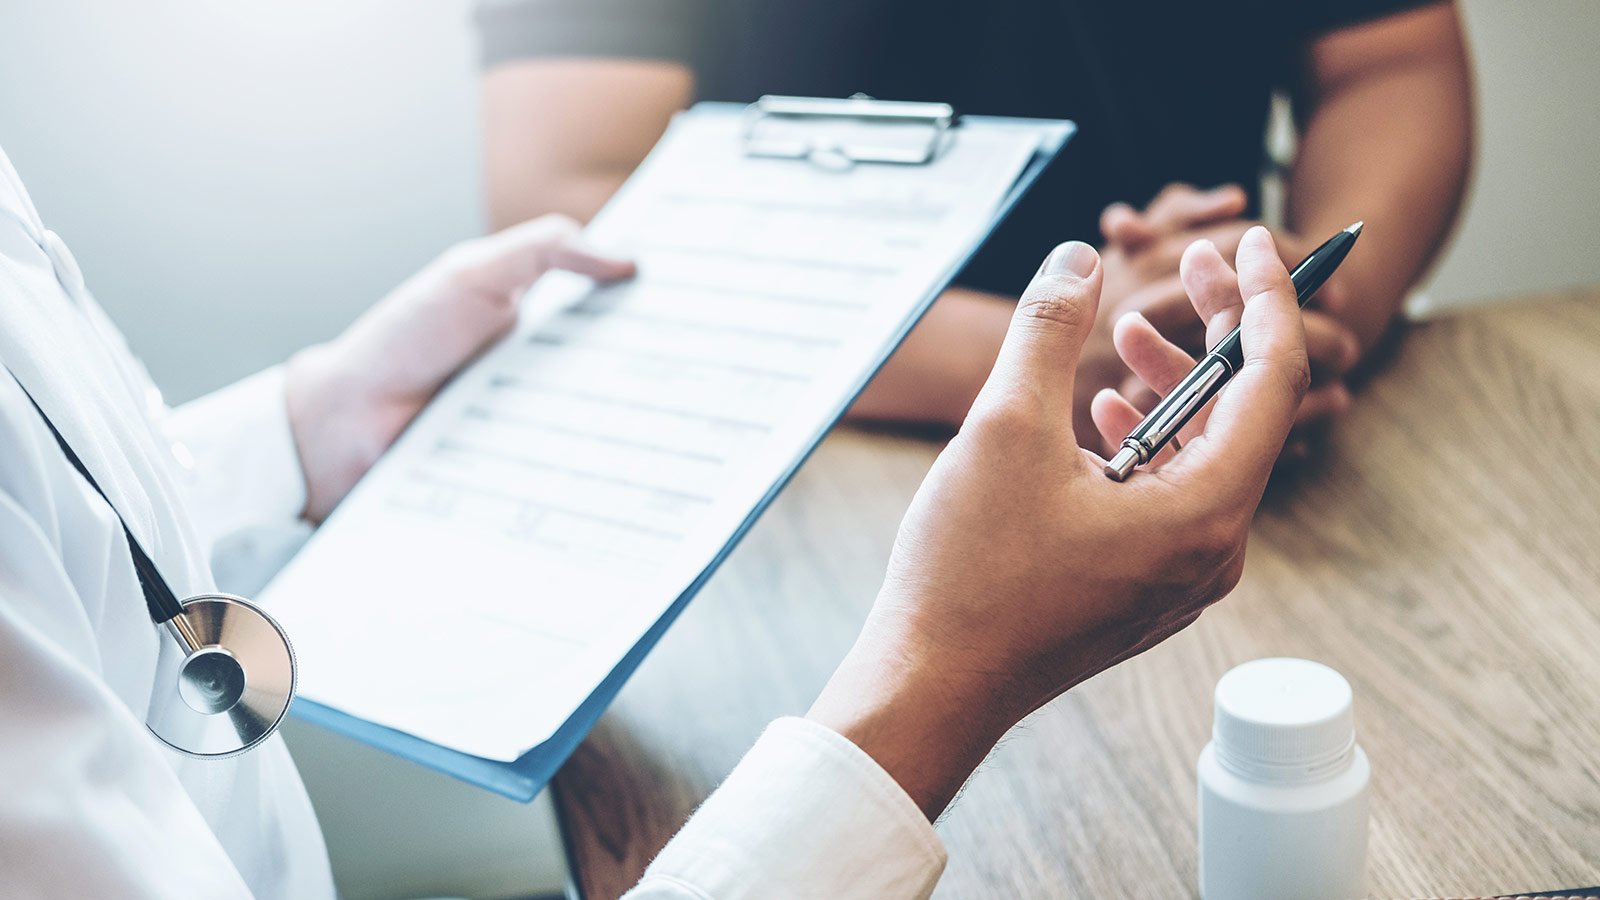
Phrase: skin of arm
x=938 y=370
x=1020 y=569
x=561 y=135
x=1389 y=139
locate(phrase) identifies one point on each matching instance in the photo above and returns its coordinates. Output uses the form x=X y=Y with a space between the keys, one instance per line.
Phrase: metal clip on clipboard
x=837 y=134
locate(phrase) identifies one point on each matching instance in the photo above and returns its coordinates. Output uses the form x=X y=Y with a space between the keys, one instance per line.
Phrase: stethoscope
x=236 y=675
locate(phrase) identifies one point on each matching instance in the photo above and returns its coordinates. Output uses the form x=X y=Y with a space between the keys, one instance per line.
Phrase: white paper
x=566 y=488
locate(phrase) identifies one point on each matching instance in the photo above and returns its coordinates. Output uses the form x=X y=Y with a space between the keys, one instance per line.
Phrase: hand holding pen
x=1020 y=569
x=1187 y=387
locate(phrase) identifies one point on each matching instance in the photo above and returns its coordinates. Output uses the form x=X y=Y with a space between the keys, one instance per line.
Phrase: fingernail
x=1071 y=258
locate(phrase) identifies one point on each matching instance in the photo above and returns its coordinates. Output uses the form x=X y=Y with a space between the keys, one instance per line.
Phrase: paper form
x=568 y=486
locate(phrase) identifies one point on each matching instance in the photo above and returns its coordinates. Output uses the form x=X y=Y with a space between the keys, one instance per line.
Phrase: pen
x=1215 y=368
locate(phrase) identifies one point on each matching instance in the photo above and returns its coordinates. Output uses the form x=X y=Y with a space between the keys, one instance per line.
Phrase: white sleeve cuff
x=806 y=813
x=242 y=465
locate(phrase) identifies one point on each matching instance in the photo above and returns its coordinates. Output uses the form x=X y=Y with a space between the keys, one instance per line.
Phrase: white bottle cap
x=1283 y=720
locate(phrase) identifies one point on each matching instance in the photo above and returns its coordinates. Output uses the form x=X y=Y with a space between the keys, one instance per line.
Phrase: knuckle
x=1174 y=190
x=1294 y=368
x=1284 y=361
x=549 y=230
x=1053 y=300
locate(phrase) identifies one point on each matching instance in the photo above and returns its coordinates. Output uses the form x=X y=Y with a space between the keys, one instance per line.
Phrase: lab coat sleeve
x=241 y=467
x=805 y=814
x=89 y=806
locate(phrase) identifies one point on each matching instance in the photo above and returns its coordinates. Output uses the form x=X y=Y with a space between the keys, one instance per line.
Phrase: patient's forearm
x=1390 y=142
x=936 y=374
x=561 y=135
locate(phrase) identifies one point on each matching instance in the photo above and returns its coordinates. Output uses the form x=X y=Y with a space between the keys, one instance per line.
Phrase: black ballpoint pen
x=1215 y=368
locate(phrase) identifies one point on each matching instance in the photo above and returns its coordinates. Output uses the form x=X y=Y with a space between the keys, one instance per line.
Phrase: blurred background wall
x=1532 y=220
x=305 y=155
x=300 y=157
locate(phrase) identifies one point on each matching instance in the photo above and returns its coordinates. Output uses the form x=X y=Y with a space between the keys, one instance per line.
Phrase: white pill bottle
x=1283 y=787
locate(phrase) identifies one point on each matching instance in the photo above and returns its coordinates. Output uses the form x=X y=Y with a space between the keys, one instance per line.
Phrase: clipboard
x=832 y=134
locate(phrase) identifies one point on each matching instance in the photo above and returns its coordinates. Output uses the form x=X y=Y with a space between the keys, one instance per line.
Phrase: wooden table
x=1445 y=556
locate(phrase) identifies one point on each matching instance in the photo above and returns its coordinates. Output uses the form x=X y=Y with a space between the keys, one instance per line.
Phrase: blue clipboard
x=523 y=778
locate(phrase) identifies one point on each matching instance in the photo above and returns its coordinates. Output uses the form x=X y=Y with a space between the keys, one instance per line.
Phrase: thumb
x=514 y=258
x=1039 y=357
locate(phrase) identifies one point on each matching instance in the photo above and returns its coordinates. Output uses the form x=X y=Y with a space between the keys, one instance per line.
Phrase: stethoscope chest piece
x=234 y=673
x=227 y=676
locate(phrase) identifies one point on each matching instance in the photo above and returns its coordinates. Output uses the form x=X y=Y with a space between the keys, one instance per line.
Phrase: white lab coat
x=91 y=805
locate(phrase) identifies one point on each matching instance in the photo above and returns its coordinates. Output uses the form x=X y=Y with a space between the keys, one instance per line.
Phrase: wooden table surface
x=1444 y=556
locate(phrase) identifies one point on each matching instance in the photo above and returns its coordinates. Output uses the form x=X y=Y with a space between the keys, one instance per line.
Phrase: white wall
x=307 y=154
x=300 y=156
x=1533 y=220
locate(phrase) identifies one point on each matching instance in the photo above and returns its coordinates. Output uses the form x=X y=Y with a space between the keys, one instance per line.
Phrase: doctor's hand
x=1020 y=569
x=350 y=398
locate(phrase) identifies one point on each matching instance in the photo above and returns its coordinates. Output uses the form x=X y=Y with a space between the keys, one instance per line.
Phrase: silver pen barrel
x=1177 y=408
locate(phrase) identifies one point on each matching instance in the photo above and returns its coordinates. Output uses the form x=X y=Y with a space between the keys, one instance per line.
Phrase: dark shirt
x=1162 y=90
